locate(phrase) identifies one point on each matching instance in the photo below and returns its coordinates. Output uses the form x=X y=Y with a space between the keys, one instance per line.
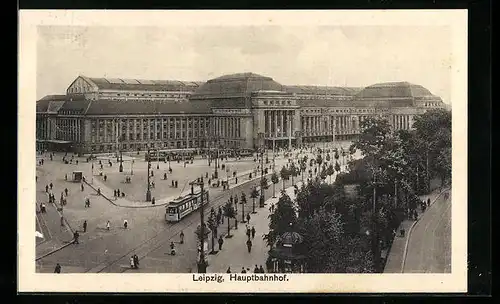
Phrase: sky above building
x=354 y=56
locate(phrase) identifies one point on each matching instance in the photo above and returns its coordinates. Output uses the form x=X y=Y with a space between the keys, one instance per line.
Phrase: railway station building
x=237 y=111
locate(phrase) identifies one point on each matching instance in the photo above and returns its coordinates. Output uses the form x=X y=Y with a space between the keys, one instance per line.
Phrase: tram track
x=160 y=240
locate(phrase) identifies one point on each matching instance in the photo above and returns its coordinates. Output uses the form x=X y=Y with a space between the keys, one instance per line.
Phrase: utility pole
x=148 y=192
x=375 y=243
x=261 y=198
x=290 y=132
x=202 y=263
x=216 y=157
x=119 y=156
x=428 y=182
x=274 y=147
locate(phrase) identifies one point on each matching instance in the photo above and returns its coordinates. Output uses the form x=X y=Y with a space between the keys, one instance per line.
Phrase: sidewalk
x=234 y=251
x=396 y=256
x=106 y=192
x=55 y=235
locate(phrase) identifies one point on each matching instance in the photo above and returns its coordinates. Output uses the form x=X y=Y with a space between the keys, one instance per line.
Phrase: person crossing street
x=57 y=269
x=76 y=235
x=249 y=245
x=221 y=242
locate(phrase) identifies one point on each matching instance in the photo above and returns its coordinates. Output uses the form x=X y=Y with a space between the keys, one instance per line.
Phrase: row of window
x=158 y=145
x=151 y=121
x=427 y=104
x=145 y=135
x=339 y=111
x=277 y=102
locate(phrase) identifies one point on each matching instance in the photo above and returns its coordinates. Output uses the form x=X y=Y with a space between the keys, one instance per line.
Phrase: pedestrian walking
x=66 y=191
x=253 y=232
x=108 y=225
x=243 y=270
x=58 y=268
x=249 y=232
x=82 y=187
x=114 y=193
x=136 y=261
x=65 y=177
x=76 y=235
x=249 y=245
x=248 y=218
x=125 y=224
x=105 y=177
x=428 y=201
x=132 y=263
x=118 y=192
x=51 y=186
x=221 y=242
x=228 y=270
x=47 y=188
x=261 y=269
x=182 y=237
x=85 y=226
x=256 y=269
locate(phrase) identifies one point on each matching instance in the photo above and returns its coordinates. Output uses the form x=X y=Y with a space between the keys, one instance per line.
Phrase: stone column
x=175 y=128
x=105 y=122
x=267 y=121
x=290 y=129
x=280 y=123
x=275 y=116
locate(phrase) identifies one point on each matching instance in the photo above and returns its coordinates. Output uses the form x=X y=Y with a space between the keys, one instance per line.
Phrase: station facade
x=237 y=111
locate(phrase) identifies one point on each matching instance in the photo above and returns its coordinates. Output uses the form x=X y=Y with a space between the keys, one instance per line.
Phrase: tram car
x=181 y=207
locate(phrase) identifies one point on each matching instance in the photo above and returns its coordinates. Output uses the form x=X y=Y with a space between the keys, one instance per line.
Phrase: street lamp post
x=375 y=242
x=120 y=169
x=119 y=157
x=158 y=159
x=148 y=192
x=202 y=263
x=132 y=167
x=216 y=163
x=261 y=198
x=274 y=147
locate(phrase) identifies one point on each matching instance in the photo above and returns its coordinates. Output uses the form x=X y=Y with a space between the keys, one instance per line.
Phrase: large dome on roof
x=394 y=90
x=236 y=85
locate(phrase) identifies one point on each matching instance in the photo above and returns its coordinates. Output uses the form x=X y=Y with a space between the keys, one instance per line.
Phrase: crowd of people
x=250 y=230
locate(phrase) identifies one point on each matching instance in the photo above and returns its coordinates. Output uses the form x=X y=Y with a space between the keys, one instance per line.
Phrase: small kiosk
x=77 y=176
x=286 y=256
